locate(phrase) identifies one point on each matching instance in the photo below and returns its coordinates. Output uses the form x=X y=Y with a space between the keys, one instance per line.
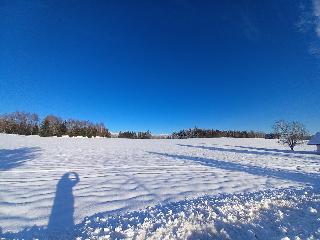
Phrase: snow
x=157 y=189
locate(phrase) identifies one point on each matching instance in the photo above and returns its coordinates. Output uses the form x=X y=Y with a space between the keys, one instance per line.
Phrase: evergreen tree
x=61 y=129
x=45 y=129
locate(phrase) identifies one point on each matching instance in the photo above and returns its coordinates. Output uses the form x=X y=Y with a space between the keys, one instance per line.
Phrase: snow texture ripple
x=49 y=185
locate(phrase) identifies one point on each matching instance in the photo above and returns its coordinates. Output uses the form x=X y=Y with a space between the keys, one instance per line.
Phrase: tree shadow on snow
x=61 y=222
x=274 y=150
x=260 y=151
x=12 y=158
x=200 y=235
x=307 y=178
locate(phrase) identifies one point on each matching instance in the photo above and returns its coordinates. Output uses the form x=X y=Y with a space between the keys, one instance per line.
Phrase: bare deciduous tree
x=290 y=133
x=19 y=123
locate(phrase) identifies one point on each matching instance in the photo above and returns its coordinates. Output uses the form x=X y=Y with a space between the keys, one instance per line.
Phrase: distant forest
x=135 y=135
x=211 y=133
x=24 y=123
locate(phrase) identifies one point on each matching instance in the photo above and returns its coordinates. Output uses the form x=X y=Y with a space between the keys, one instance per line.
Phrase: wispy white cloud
x=316 y=14
x=314 y=49
x=306 y=21
x=309 y=17
x=309 y=22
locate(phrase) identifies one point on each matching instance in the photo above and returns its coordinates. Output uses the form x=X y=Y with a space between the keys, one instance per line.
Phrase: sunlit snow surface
x=157 y=189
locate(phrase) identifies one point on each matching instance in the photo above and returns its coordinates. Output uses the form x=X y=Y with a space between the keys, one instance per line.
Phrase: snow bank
x=278 y=214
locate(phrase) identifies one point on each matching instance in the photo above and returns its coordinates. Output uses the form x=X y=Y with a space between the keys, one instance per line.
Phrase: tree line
x=213 y=133
x=135 y=135
x=23 y=123
x=288 y=133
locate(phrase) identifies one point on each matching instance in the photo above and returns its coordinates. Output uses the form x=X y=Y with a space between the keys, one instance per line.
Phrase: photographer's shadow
x=61 y=223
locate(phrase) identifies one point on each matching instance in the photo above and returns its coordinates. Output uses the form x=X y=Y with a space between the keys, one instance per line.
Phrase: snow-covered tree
x=290 y=133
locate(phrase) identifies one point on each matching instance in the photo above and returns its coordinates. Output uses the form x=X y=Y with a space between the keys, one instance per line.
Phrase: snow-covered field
x=157 y=189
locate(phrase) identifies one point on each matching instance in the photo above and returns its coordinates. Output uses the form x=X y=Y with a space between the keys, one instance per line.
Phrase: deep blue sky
x=162 y=65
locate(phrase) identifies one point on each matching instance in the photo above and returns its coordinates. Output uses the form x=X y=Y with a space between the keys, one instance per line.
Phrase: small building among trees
x=315 y=140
